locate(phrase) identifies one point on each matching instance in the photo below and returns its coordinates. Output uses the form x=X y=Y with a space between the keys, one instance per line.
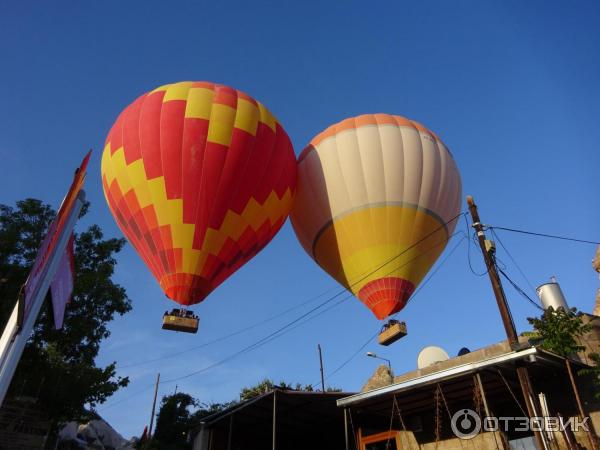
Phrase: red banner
x=40 y=265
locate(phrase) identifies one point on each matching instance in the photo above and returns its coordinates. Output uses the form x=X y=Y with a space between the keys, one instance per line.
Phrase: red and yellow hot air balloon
x=199 y=177
x=376 y=197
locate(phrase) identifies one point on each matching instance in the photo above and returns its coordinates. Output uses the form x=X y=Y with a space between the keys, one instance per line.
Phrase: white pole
x=12 y=342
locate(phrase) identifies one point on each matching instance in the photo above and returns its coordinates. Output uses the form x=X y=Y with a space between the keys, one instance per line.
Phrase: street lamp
x=373 y=355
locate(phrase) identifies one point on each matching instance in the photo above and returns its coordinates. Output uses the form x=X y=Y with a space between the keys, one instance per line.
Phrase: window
x=387 y=440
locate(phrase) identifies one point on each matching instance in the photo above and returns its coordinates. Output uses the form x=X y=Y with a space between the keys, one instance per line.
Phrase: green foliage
x=558 y=330
x=594 y=372
x=267 y=385
x=209 y=409
x=58 y=366
x=174 y=420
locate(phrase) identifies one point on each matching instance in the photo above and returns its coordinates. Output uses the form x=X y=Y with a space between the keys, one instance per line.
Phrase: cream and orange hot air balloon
x=374 y=206
x=199 y=177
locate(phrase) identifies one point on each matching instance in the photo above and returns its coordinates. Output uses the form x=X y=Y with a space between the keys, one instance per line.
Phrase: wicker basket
x=391 y=332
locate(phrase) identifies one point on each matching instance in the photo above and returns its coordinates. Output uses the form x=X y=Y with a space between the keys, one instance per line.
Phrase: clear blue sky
x=511 y=87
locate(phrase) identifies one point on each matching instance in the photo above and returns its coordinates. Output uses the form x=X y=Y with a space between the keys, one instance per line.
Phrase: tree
x=267 y=385
x=559 y=329
x=58 y=366
x=594 y=372
x=173 y=420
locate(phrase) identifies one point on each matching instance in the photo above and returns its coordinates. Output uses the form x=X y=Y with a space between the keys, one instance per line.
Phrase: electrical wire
x=532 y=233
x=255 y=325
x=279 y=331
x=347 y=361
x=438 y=267
x=129 y=397
x=519 y=290
x=512 y=259
x=254 y=346
x=468 y=233
x=429 y=277
x=229 y=335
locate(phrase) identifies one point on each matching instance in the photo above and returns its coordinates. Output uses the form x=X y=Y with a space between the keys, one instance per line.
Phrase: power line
x=564 y=238
x=222 y=338
x=430 y=276
x=513 y=260
x=345 y=363
x=280 y=331
x=277 y=332
x=141 y=391
x=468 y=233
x=519 y=290
x=253 y=346
x=229 y=335
x=439 y=266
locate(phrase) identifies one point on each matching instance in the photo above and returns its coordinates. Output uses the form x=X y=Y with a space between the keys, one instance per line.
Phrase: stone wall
x=382 y=377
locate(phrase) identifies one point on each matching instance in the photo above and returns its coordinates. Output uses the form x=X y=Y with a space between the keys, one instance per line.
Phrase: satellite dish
x=430 y=355
x=463 y=351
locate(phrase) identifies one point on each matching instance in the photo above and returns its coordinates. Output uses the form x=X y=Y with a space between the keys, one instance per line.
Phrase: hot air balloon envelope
x=374 y=207
x=199 y=177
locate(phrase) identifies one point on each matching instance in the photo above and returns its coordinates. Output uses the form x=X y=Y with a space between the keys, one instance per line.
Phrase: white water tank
x=551 y=294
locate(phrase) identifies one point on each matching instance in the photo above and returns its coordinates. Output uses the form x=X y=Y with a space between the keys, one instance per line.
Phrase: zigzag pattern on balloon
x=199 y=177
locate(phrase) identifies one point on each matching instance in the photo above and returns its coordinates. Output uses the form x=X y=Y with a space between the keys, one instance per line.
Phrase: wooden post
x=509 y=325
x=567 y=434
x=230 y=432
x=321 y=363
x=274 y=419
x=346 y=429
x=591 y=432
x=505 y=444
x=153 y=405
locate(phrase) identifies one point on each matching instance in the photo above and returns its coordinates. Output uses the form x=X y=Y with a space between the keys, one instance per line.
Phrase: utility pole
x=154 y=405
x=321 y=363
x=509 y=325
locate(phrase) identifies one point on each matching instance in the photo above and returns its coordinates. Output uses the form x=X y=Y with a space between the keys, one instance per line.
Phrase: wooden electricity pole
x=154 y=405
x=509 y=325
x=321 y=364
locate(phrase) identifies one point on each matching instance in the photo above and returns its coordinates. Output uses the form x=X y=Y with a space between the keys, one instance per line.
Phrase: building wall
x=483 y=441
